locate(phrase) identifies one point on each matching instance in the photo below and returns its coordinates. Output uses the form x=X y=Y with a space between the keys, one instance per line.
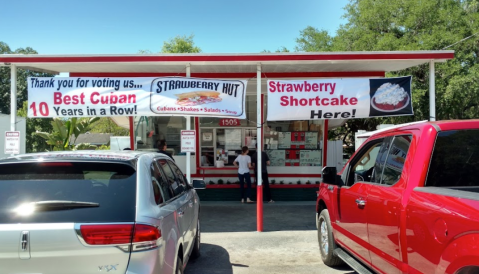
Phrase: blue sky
x=125 y=27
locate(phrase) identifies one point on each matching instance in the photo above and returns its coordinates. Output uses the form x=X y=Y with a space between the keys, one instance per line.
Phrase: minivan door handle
x=181 y=213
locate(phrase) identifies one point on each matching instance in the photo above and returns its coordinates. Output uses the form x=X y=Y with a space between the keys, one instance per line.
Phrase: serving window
x=288 y=143
x=224 y=144
x=294 y=143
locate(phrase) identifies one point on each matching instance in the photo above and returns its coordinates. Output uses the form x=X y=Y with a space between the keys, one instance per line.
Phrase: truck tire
x=326 y=240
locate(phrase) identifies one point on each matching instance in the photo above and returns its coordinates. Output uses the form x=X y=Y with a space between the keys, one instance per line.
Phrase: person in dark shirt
x=264 y=172
x=162 y=149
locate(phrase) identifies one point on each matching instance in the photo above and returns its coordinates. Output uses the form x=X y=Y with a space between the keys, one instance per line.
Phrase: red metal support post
x=259 y=187
x=132 y=133
x=198 y=156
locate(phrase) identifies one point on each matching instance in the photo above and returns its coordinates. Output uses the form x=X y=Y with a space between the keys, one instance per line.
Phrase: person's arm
x=249 y=162
x=266 y=157
x=235 y=162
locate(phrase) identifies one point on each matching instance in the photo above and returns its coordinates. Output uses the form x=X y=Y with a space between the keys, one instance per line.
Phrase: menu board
x=284 y=139
x=311 y=140
x=276 y=157
x=233 y=137
x=310 y=158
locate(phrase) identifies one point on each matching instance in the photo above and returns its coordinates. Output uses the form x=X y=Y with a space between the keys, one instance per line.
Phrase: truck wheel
x=196 y=246
x=326 y=240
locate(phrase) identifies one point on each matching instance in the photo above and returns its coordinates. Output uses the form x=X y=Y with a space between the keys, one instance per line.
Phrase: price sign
x=188 y=141
x=227 y=122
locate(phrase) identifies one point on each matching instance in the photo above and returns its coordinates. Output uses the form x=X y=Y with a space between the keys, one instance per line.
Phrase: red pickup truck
x=406 y=202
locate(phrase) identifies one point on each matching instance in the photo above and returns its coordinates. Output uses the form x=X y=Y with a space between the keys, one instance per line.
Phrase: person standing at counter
x=162 y=149
x=243 y=162
x=264 y=172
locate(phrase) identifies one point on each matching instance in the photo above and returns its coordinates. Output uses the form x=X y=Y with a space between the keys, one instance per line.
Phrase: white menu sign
x=188 y=141
x=12 y=142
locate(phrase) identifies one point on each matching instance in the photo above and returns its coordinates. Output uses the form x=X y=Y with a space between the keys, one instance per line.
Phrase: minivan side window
x=396 y=156
x=181 y=177
x=164 y=185
x=455 y=160
x=170 y=176
x=155 y=181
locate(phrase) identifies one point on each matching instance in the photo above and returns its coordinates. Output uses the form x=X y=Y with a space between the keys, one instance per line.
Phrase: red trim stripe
x=328 y=74
x=216 y=186
x=228 y=58
x=212 y=175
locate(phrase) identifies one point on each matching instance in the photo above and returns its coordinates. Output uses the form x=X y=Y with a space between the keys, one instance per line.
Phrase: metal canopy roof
x=273 y=65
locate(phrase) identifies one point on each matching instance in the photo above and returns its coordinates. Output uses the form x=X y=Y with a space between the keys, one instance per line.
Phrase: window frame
x=391 y=143
x=167 y=177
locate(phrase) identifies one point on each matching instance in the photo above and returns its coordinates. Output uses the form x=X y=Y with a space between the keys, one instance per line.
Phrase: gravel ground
x=231 y=243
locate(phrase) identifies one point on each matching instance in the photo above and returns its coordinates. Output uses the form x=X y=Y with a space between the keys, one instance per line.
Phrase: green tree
x=180 y=44
x=22 y=75
x=382 y=25
x=281 y=49
x=106 y=125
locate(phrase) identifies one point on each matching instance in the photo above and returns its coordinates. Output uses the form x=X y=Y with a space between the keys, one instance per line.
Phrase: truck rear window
x=455 y=160
x=110 y=187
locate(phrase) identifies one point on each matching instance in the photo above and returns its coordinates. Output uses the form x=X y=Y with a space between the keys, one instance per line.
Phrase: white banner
x=169 y=96
x=339 y=98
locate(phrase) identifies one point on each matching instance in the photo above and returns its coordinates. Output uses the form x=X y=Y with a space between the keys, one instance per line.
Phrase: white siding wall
x=335 y=154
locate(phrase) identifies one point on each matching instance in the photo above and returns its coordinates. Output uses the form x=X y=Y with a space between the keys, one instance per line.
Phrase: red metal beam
x=231 y=58
x=244 y=75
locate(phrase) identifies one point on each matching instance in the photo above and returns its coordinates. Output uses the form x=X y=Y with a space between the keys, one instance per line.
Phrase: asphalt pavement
x=231 y=244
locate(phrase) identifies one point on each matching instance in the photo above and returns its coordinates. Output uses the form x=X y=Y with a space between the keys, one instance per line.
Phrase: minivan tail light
x=107 y=234
x=119 y=234
x=144 y=233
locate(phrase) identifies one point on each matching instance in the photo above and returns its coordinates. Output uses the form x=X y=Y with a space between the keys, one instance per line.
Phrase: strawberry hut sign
x=146 y=96
x=339 y=98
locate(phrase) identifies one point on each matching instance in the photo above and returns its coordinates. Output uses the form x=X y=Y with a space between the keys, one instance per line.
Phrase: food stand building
x=296 y=148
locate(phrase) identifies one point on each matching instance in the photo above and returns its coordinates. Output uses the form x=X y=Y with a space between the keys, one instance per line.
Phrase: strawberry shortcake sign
x=338 y=98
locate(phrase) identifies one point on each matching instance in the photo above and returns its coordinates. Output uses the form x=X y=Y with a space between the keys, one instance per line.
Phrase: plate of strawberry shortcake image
x=390 y=98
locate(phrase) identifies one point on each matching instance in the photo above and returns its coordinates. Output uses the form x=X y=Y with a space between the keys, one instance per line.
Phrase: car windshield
x=52 y=192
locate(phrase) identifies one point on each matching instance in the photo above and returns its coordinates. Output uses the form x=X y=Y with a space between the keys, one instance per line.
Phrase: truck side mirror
x=329 y=175
x=199 y=184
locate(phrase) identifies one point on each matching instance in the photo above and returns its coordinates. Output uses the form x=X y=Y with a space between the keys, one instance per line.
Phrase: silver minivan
x=96 y=212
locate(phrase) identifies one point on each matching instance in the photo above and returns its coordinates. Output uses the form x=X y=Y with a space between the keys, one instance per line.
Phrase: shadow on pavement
x=214 y=259
x=238 y=217
x=344 y=267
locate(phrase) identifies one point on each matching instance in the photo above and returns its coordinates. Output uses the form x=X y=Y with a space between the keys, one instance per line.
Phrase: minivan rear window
x=107 y=189
x=455 y=160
